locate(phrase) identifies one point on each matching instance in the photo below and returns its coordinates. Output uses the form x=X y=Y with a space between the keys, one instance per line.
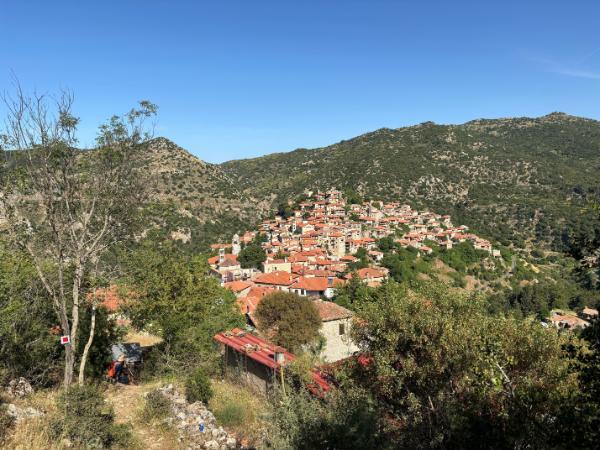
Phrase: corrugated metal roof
x=263 y=352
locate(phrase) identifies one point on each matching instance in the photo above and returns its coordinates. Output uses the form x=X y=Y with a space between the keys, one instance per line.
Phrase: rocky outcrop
x=19 y=388
x=195 y=424
x=18 y=413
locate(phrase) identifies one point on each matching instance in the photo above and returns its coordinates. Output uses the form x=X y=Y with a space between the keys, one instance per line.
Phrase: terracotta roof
x=368 y=272
x=310 y=284
x=110 y=298
x=218 y=246
x=297 y=258
x=569 y=321
x=331 y=311
x=248 y=304
x=278 y=277
x=237 y=286
x=228 y=256
x=229 y=262
x=275 y=261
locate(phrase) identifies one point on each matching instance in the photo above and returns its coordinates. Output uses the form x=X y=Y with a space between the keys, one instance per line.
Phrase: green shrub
x=156 y=406
x=230 y=414
x=197 y=387
x=86 y=420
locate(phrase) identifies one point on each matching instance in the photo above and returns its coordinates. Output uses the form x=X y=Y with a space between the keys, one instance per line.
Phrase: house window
x=342 y=329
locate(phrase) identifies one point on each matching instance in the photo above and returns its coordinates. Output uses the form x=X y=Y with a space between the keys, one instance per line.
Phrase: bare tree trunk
x=88 y=344
x=69 y=363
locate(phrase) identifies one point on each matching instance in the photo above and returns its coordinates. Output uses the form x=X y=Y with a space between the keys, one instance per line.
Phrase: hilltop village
x=313 y=246
x=311 y=252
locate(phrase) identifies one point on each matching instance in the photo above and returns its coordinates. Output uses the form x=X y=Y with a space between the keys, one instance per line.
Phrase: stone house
x=336 y=324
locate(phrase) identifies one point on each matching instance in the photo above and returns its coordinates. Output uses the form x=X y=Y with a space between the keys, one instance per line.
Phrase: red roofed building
x=260 y=363
x=111 y=298
x=250 y=301
x=279 y=280
x=373 y=277
x=239 y=288
x=315 y=286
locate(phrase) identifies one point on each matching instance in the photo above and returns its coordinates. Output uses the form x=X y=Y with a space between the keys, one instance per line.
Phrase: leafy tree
x=580 y=424
x=27 y=347
x=386 y=244
x=66 y=207
x=352 y=293
x=197 y=387
x=284 y=210
x=252 y=256
x=179 y=302
x=449 y=375
x=352 y=197
x=281 y=254
x=362 y=262
x=288 y=319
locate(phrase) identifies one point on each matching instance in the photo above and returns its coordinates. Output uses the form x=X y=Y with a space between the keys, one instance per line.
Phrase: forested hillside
x=514 y=180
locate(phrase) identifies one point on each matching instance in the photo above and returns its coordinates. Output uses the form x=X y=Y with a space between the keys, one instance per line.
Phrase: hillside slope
x=191 y=200
x=511 y=179
x=176 y=175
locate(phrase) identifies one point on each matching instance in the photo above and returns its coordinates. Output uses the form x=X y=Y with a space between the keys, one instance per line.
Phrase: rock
x=22 y=413
x=19 y=388
x=187 y=419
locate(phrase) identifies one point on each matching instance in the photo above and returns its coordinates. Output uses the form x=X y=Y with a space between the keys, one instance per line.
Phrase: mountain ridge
x=509 y=172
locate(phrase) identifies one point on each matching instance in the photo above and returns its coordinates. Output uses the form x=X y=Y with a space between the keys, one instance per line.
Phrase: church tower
x=235 y=244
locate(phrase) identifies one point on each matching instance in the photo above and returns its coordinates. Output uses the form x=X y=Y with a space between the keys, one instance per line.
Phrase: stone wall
x=196 y=425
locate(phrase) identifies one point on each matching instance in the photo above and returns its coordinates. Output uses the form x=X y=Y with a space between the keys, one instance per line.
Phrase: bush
x=86 y=420
x=230 y=414
x=198 y=388
x=156 y=406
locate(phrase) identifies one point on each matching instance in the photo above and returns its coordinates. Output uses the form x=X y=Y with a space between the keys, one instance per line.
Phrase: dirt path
x=127 y=402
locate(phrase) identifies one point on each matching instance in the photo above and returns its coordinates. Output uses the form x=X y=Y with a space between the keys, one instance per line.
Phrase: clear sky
x=246 y=78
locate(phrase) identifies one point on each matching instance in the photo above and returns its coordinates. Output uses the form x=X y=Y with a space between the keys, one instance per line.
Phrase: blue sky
x=242 y=79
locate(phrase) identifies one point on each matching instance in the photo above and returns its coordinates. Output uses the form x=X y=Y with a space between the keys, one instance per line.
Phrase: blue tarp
x=132 y=352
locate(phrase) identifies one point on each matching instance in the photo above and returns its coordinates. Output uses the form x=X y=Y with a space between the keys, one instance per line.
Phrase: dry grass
x=239 y=410
x=128 y=402
x=32 y=434
x=144 y=339
x=236 y=408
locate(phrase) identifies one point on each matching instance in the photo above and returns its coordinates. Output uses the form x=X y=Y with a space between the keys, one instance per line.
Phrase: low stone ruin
x=195 y=424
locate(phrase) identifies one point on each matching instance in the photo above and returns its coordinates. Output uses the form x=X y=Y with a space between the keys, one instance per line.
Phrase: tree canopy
x=180 y=303
x=252 y=256
x=288 y=319
x=450 y=375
